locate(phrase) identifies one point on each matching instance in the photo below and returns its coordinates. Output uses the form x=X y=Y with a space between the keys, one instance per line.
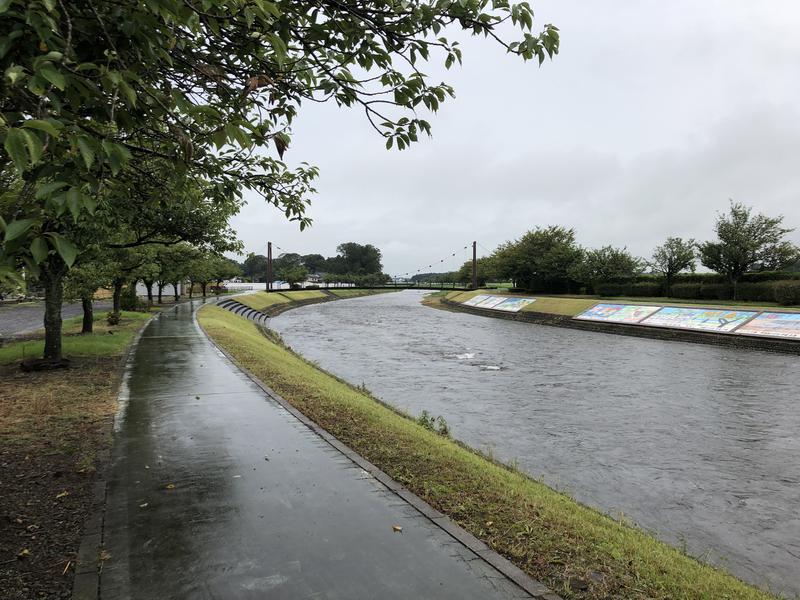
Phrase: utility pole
x=474 y=265
x=269 y=266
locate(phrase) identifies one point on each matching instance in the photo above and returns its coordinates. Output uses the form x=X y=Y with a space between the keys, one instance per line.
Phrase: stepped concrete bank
x=661 y=333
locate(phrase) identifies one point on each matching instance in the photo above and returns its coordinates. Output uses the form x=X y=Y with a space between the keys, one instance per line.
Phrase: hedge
x=785 y=292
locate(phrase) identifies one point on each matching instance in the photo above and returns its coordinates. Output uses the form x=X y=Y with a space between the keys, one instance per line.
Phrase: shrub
x=763 y=291
x=787 y=293
x=629 y=288
x=112 y=318
x=435 y=424
x=716 y=291
x=686 y=290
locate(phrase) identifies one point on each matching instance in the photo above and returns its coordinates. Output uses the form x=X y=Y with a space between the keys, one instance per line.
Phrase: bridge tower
x=474 y=265
x=269 y=266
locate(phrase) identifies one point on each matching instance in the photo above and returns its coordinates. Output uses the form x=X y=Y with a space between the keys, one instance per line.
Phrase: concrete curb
x=659 y=333
x=501 y=564
x=86 y=584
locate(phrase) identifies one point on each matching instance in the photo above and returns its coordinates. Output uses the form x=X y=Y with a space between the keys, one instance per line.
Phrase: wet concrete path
x=216 y=491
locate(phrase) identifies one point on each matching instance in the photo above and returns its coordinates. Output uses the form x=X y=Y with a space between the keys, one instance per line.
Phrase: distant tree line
x=750 y=259
x=354 y=263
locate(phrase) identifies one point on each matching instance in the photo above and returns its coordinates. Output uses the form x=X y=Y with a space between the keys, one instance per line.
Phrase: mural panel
x=699 y=319
x=617 y=313
x=773 y=324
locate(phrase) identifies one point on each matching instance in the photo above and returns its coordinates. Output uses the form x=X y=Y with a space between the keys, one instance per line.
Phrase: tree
x=540 y=260
x=672 y=257
x=357 y=259
x=90 y=86
x=83 y=281
x=606 y=264
x=315 y=263
x=487 y=269
x=292 y=274
x=255 y=267
x=747 y=242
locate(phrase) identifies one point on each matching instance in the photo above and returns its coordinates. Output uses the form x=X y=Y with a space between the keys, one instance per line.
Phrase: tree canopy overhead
x=89 y=86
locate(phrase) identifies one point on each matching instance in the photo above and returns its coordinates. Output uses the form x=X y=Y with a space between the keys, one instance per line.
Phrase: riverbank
x=55 y=431
x=575 y=550
x=558 y=311
x=271 y=304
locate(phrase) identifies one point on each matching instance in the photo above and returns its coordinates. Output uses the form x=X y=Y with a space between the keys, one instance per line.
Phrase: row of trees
x=353 y=262
x=125 y=124
x=550 y=259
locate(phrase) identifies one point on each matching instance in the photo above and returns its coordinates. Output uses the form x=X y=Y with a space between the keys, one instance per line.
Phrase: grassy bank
x=263 y=300
x=577 y=551
x=574 y=305
x=54 y=428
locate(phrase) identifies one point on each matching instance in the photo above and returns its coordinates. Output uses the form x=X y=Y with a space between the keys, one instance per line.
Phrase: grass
x=105 y=341
x=262 y=300
x=550 y=536
x=304 y=295
x=354 y=292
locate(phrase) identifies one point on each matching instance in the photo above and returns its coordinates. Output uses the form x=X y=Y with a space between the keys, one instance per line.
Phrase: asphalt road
x=21 y=318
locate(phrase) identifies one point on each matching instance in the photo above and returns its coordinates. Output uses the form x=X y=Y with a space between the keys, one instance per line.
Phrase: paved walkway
x=28 y=316
x=216 y=491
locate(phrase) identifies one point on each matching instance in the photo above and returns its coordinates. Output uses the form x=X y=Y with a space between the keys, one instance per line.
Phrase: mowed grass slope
x=304 y=295
x=262 y=300
x=577 y=551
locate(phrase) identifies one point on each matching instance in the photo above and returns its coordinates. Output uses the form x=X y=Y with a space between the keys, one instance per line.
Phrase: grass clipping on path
x=577 y=551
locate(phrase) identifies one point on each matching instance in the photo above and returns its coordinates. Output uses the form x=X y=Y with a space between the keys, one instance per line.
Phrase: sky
x=653 y=115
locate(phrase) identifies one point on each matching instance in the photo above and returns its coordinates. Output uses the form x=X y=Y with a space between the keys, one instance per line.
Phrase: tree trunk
x=88 y=314
x=191 y=289
x=160 y=289
x=149 y=286
x=118 y=283
x=52 y=277
x=175 y=291
x=203 y=285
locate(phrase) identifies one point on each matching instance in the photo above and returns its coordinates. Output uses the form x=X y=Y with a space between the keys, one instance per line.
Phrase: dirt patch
x=54 y=436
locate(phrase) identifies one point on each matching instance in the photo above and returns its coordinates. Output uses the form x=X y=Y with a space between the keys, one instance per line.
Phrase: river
x=698 y=444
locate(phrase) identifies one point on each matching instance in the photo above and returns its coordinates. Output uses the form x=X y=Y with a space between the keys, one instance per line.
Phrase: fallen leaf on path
x=397 y=529
x=62 y=495
x=24 y=553
x=104 y=556
x=143 y=505
x=170 y=486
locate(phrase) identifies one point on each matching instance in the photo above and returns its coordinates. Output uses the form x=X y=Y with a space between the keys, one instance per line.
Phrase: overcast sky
x=653 y=115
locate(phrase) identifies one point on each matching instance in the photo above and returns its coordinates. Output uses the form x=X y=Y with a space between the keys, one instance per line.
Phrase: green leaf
x=4 y=4
x=49 y=188
x=53 y=76
x=66 y=249
x=87 y=152
x=74 y=201
x=15 y=148
x=34 y=144
x=49 y=127
x=17 y=228
x=39 y=249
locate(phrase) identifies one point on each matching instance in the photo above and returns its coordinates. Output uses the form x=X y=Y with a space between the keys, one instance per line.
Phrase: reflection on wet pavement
x=695 y=442
x=215 y=491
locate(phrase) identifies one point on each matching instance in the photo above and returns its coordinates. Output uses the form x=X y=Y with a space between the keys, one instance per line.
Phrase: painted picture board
x=514 y=304
x=617 y=313
x=699 y=319
x=475 y=300
x=773 y=324
x=491 y=301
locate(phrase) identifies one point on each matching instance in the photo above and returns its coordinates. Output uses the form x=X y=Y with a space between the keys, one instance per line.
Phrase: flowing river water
x=696 y=443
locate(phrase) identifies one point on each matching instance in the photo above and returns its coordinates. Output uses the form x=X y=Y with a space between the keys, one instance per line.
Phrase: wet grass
x=577 y=551
x=354 y=292
x=262 y=300
x=304 y=295
x=105 y=341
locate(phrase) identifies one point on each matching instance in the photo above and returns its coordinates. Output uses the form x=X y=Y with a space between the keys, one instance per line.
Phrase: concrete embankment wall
x=661 y=333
